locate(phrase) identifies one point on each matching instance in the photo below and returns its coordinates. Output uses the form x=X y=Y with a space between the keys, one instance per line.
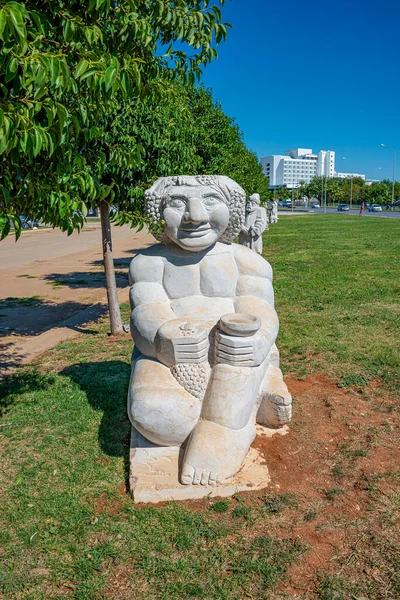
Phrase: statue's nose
x=195 y=211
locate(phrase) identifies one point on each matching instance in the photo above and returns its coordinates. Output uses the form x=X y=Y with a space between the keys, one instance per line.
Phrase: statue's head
x=196 y=210
x=253 y=202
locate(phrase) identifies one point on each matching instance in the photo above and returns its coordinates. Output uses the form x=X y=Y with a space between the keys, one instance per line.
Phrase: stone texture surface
x=273 y=213
x=153 y=472
x=204 y=326
x=255 y=224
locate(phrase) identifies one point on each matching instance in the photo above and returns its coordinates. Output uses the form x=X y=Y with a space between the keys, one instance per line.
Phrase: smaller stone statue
x=273 y=217
x=254 y=225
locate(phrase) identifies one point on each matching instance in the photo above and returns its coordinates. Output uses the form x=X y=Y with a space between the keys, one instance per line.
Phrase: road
x=388 y=214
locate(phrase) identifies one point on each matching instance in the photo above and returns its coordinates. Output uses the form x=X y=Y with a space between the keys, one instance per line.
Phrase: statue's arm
x=254 y=296
x=249 y=350
x=156 y=330
x=267 y=315
x=150 y=310
x=261 y=222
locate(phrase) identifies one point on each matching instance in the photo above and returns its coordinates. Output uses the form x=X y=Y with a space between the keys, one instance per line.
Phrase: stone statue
x=273 y=218
x=205 y=366
x=254 y=225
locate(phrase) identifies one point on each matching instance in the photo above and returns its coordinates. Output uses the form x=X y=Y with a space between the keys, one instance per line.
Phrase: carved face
x=195 y=216
x=252 y=205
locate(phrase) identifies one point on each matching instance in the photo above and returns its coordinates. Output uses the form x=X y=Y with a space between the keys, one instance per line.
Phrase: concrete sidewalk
x=53 y=284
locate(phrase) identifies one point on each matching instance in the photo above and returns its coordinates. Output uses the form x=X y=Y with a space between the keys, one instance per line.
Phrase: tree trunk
x=112 y=295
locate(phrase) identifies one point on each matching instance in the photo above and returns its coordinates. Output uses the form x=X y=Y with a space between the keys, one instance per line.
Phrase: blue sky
x=320 y=75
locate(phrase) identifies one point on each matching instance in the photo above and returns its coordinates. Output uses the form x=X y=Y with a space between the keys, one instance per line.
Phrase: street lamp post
x=293 y=193
x=351 y=182
x=394 y=169
x=323 y=194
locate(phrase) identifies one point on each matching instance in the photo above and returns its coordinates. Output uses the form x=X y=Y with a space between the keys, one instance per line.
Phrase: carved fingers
x=238 y=351
x=191 y=351
x=178 y=341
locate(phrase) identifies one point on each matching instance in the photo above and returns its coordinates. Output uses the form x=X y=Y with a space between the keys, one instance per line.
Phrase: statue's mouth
x=194 y=231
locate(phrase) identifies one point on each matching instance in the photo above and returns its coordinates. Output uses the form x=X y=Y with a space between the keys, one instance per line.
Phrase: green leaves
x=11 y=69
x=54 y=70
x=69 y=77
x=3 y=22
x=37 y=142
x=110 y=77
x=12 y=22
x=16 y=11
x=81 y=68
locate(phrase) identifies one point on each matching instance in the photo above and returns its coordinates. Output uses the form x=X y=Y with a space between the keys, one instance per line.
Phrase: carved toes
x=199 y=476
x=187 y=475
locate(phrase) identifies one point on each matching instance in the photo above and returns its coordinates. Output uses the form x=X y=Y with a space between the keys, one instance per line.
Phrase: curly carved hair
x=233 y=194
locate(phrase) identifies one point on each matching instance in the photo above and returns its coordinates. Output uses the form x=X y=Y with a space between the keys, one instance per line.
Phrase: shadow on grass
x=105 y=385
x=10 y=358
x=13 y=386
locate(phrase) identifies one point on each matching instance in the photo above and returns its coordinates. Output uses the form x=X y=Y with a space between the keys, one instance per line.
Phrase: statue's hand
x=248 y=351
x=178 y=341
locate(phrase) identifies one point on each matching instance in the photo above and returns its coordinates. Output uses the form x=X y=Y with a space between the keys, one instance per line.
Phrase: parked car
x=374 y=208
x=287 y=203
x=343 y=207
x=28 y=223
x=315 y=205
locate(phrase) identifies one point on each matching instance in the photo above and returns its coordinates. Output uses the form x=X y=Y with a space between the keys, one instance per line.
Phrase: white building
x=349 y=175
x=298 y=165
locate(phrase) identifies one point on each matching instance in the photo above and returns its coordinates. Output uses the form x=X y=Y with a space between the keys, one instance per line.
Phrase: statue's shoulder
x=148 y=264
x=251 y=263
x=262 y=211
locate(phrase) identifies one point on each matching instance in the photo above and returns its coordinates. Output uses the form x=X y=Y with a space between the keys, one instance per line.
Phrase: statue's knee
x=162 y=417
x=275 y=408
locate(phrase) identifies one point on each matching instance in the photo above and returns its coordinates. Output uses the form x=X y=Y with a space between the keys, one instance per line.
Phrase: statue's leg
x=221 y=439
x=275 y=409
x=258 y=244
x=158 y=407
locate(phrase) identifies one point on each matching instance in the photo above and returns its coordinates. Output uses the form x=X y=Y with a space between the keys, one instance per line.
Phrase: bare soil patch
x=321 y=491
x=340 y=440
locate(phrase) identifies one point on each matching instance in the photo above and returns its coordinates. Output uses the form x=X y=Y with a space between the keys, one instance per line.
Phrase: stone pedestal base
x=153 y=472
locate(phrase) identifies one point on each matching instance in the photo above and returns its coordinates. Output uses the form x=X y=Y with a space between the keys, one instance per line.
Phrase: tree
x=334 y=190
x=314 y=187
x=65 y=71
x=185 y=133
x=380 y=193
x=220 y=145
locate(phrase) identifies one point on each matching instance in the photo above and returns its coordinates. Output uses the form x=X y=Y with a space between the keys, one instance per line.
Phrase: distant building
x=300 y=164
x=350 y=175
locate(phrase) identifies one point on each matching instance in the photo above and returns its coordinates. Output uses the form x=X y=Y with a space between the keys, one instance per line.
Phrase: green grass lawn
x=67 y=527
x=337 y=287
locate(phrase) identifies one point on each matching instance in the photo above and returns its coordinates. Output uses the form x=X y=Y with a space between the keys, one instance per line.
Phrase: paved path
x=48 y=279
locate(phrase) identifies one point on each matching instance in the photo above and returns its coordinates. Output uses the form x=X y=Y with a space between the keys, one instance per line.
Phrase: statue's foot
x=215 y=453
x=276 y=405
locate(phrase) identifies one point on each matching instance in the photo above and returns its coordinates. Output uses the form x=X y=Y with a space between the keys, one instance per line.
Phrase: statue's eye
x=211 y=201
x=176 y=203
